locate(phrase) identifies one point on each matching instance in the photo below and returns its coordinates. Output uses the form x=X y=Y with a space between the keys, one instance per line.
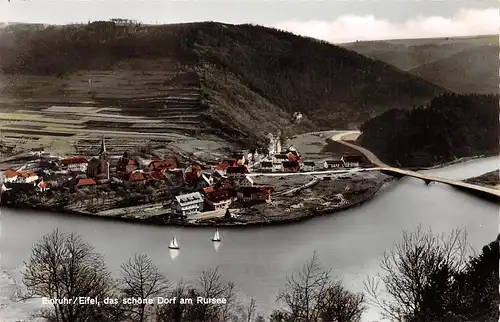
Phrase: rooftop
x=189 y=198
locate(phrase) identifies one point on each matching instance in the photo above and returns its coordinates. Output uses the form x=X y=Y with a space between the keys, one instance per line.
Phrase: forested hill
x=450 y=127
x=246 y=71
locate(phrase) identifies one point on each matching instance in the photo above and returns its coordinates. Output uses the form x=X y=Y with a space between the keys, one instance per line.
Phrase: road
x=372 y=157
x=388 y=169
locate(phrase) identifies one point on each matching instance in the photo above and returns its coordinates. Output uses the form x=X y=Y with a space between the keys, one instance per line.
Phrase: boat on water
x=174 y=244
x=216 y=237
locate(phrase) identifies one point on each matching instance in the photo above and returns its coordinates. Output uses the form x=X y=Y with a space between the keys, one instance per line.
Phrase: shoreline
x=159 y=221
x=450 y=163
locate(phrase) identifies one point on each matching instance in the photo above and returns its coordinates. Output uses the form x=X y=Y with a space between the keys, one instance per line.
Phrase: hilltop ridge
x=233 y=81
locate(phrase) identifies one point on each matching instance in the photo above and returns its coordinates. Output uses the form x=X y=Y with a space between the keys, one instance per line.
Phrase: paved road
x=384 y=167
x=326 y=172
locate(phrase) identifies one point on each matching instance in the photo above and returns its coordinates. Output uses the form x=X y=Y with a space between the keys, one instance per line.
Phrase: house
x=10 y=175
x=266 y=166
x=277 y=166
x=85 y=182
x=245 y=182
x=254 y=194
x=126 y=165
x=236 y=173
x=137 y=177
x=281 y=157
x=166 y=164
x=219 y=199
x=26 y=177
x=225 y=183
x=205 y=180
x=291 y=166
x=239 y=156
x=333 y=164
x=352 y=161
x=188 y=205
x=222 y=166
x=308 y=166
x=75 y=164
x=192 y=174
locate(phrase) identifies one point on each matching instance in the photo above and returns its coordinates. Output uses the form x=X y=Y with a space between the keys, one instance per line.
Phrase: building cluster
x=212 y=189
x=218 y=188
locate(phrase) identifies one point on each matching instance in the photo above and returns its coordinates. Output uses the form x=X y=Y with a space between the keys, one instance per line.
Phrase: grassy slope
x=406 y=54
x=461 y=64
x=474 y=70
x=250 y=78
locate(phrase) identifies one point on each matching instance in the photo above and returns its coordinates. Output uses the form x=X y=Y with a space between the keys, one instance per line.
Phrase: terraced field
x=130 y=107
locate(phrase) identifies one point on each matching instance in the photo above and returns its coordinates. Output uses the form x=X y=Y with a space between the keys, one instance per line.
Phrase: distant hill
x=235 y=81
x=470 y=71
x=450 y=127
x=407 y=54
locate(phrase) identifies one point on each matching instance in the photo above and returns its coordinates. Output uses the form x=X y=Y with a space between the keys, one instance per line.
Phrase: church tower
x=103 y=157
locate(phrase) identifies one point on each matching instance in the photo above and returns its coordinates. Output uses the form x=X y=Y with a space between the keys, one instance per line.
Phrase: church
x=98 y=167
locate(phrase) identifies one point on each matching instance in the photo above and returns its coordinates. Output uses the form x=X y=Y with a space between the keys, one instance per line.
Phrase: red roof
x=137 y=176
x=163 y=164
x=86 y=182
x=27 y=174
x=208 y=189
x=220 y=195
x=158 y=175
x=10 y=173
x=76 y=160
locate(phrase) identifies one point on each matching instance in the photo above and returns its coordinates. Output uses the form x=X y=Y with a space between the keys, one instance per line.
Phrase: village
x=167 y=189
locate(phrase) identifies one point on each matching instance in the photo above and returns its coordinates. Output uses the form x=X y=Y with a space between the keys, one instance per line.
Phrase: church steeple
x=103 y=147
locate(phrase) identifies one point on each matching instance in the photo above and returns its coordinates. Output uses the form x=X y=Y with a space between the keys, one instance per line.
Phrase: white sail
x=174 y=244
x=216 y=236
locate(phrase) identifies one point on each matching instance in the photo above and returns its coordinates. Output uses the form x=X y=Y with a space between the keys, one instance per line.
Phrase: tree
x=312 y=294
x=141 y=279
x=209 y=286
x=416 y=274
x=63 y=266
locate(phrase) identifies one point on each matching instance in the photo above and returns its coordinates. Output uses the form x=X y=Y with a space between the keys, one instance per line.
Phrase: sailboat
x=174 y=244
x=216 y=237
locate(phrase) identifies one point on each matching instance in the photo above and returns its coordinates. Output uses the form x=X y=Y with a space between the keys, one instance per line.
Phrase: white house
x=277 y=166
x=77 y=164
x=188 y=205
x=308 y=166
x=333 y=164
x=352 y=161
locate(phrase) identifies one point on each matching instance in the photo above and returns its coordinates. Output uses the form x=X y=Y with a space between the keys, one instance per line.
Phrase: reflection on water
x=216 y=246
x=173 y=253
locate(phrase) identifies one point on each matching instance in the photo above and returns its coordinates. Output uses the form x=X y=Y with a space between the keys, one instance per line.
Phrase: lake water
x=258 y=259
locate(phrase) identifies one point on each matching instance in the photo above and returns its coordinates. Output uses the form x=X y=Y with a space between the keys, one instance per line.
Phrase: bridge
x=485 y=192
